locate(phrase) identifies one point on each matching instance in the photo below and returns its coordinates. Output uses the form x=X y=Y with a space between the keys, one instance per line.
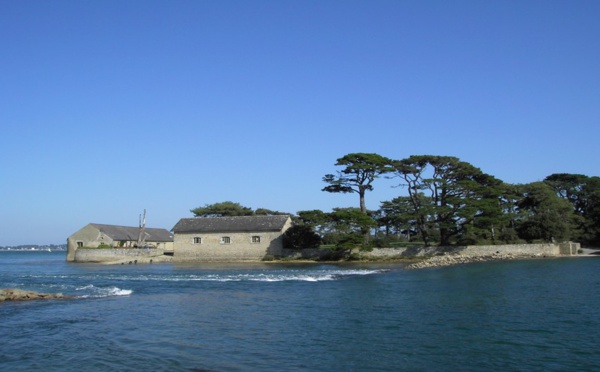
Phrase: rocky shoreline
x=458 y=259
x=10 y=294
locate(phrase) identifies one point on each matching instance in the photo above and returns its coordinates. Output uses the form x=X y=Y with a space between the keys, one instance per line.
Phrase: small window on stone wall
x=255 y=239
x=197 y=240
x=225 y=240
x=79 y=244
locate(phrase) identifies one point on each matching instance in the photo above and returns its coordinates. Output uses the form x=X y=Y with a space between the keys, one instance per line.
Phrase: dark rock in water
x=21 y=295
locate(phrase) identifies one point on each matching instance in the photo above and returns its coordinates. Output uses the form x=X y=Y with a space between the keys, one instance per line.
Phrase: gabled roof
x=230 y=224
x=128 y=233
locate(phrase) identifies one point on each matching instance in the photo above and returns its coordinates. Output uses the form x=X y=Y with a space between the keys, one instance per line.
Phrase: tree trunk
x=363 y=207
x=444 y=237
x=423 y=229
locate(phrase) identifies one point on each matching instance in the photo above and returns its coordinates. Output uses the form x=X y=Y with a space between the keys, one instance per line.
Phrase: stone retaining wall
x=306 y=254
x=514 y=249
x=116 y=255
x=124 y=255
x=531 y=250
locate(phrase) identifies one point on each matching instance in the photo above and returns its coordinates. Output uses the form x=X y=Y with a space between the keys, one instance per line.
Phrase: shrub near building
x=301 y=236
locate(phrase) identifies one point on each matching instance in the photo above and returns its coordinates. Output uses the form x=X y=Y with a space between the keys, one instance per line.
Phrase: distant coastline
x=35 y=247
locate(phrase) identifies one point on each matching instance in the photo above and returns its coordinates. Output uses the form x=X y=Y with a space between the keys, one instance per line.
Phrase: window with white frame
x=225 y=240
x=197 y=240
x=255 y=239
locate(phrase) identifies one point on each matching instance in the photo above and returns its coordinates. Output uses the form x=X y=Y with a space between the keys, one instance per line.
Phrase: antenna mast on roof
x=142 y=234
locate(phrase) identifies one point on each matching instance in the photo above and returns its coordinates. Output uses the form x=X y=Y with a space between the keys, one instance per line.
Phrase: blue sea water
x=533 y=315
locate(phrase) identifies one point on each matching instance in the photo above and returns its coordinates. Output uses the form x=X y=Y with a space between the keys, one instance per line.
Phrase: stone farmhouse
x=247 y=238
x=94 y=235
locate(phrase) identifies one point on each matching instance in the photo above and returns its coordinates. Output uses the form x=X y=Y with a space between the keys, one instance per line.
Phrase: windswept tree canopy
x=447 y=194
x=358 y=175
x=581 y=191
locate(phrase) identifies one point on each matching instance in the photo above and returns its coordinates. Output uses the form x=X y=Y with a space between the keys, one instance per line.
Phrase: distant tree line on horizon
x=447 y=202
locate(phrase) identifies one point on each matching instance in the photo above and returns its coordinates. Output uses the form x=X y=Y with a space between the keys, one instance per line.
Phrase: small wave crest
x=91 y=290
x=236 y=276
x=315 y=276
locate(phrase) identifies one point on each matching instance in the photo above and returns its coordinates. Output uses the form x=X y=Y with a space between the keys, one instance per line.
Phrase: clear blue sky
x=110 y=107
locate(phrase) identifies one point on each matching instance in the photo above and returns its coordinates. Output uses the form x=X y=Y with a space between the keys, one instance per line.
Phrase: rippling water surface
x=526 y=315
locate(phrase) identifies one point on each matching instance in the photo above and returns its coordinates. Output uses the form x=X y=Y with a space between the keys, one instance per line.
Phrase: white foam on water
x=319 y=276
x=268 y=276
x=94 y=291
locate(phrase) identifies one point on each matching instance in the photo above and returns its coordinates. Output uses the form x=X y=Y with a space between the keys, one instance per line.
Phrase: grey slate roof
x=131 y=233
x=230 y=224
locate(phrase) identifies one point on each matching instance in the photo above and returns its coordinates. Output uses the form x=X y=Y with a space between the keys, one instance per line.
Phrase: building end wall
x=569 y=248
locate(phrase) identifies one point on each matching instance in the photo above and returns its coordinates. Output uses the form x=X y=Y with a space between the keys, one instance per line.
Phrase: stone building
x=247 y=238
x=95 y=235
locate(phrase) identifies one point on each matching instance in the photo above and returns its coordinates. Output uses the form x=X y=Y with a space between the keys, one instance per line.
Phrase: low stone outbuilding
x=96 y=235
x=247 y=238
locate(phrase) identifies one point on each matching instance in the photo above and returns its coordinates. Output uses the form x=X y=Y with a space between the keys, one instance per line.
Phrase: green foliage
x=268 y=257
x=332 y=238
x=397 y=218
x=573 y=188
x=104 y=246
x=449 y=202
x=467 y=239
x=453 y=202
x=347 y=220
x=358 y=175
x=544 y=215
x=335 y=254
x=300 y=237
x=350 y=241
x=509 y=236
x=318 y=220
x=267 y=212
x=312 y=218
x=382 y=242
x=583 y=193
x=224 y=209
x=231 y=209
x=334 y=226
x=447 y=196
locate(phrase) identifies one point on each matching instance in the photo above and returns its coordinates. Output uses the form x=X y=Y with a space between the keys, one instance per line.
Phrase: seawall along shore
x=458 y=259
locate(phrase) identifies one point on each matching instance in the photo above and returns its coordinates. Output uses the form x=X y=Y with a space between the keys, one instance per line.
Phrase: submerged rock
x=21 y=295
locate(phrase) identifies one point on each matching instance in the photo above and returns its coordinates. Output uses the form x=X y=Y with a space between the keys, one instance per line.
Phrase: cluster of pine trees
x=447 y=202
x=450 y=201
